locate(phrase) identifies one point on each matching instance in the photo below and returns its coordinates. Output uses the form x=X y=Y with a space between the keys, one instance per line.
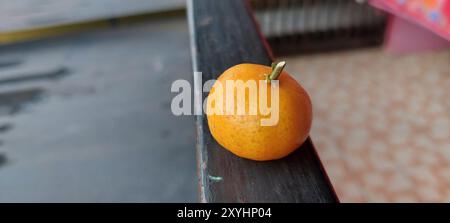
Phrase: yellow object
x=62 y=29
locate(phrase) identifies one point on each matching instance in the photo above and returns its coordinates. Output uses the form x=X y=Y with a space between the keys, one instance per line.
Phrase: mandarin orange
x=243 y=134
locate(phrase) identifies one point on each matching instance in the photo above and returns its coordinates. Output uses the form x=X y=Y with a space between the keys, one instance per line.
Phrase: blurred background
x=378 y=73
x=85 y=102
x=85 y=97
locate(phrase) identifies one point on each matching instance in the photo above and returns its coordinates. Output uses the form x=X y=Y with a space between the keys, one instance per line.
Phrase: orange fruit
x=244 y=135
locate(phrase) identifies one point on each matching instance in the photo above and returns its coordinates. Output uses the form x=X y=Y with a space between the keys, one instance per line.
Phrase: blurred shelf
x=30 y=20
x=32 y=14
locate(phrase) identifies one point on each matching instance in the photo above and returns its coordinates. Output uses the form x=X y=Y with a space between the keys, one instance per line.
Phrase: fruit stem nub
x=277 y=68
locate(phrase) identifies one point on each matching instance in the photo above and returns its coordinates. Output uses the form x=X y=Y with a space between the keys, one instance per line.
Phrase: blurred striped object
x=302 y=26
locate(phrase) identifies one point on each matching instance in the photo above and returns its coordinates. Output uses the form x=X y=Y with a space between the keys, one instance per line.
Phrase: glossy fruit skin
x=245 y=137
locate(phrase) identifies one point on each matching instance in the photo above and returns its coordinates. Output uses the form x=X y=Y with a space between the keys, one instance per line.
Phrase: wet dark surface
x=87 y=118
x=54 y=74
x=9 y=63
x=13 y=102
x=3 y=160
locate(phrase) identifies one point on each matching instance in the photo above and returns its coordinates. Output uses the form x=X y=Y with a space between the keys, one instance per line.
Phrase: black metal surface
x=223 y=34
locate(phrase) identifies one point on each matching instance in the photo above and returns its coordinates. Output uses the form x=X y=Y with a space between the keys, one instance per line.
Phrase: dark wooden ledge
x=223 y=34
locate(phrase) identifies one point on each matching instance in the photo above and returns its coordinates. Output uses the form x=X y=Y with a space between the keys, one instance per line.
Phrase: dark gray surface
x=223 y=34
x=102 y=131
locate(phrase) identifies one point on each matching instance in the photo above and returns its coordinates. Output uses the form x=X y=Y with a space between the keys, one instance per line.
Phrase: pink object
x=403 y=36
x=431 y=14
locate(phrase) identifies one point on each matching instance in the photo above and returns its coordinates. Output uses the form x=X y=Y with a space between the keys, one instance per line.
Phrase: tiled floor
x=381 y=123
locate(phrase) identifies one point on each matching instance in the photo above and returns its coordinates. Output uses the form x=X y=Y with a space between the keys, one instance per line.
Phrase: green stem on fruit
x=273 y=65
x=277 y=68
